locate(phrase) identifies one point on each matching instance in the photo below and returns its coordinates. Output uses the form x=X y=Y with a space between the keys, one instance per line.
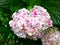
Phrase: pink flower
x=30 y=23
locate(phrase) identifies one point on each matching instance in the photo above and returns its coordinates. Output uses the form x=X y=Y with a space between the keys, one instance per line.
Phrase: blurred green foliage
x=7 y=7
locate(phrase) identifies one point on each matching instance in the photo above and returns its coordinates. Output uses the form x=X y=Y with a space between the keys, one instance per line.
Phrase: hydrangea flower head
x=30 y=23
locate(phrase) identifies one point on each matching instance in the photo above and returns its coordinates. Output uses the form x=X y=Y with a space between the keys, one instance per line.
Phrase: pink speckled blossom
x=30 y=23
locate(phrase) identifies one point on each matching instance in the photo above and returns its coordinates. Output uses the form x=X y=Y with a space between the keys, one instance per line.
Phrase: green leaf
x=32 y=2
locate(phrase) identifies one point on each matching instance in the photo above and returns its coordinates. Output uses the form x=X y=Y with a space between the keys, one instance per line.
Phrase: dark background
x=7 y=7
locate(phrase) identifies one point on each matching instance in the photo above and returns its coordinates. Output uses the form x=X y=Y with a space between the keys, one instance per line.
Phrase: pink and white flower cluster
x=30 y=22
x=52 y=38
